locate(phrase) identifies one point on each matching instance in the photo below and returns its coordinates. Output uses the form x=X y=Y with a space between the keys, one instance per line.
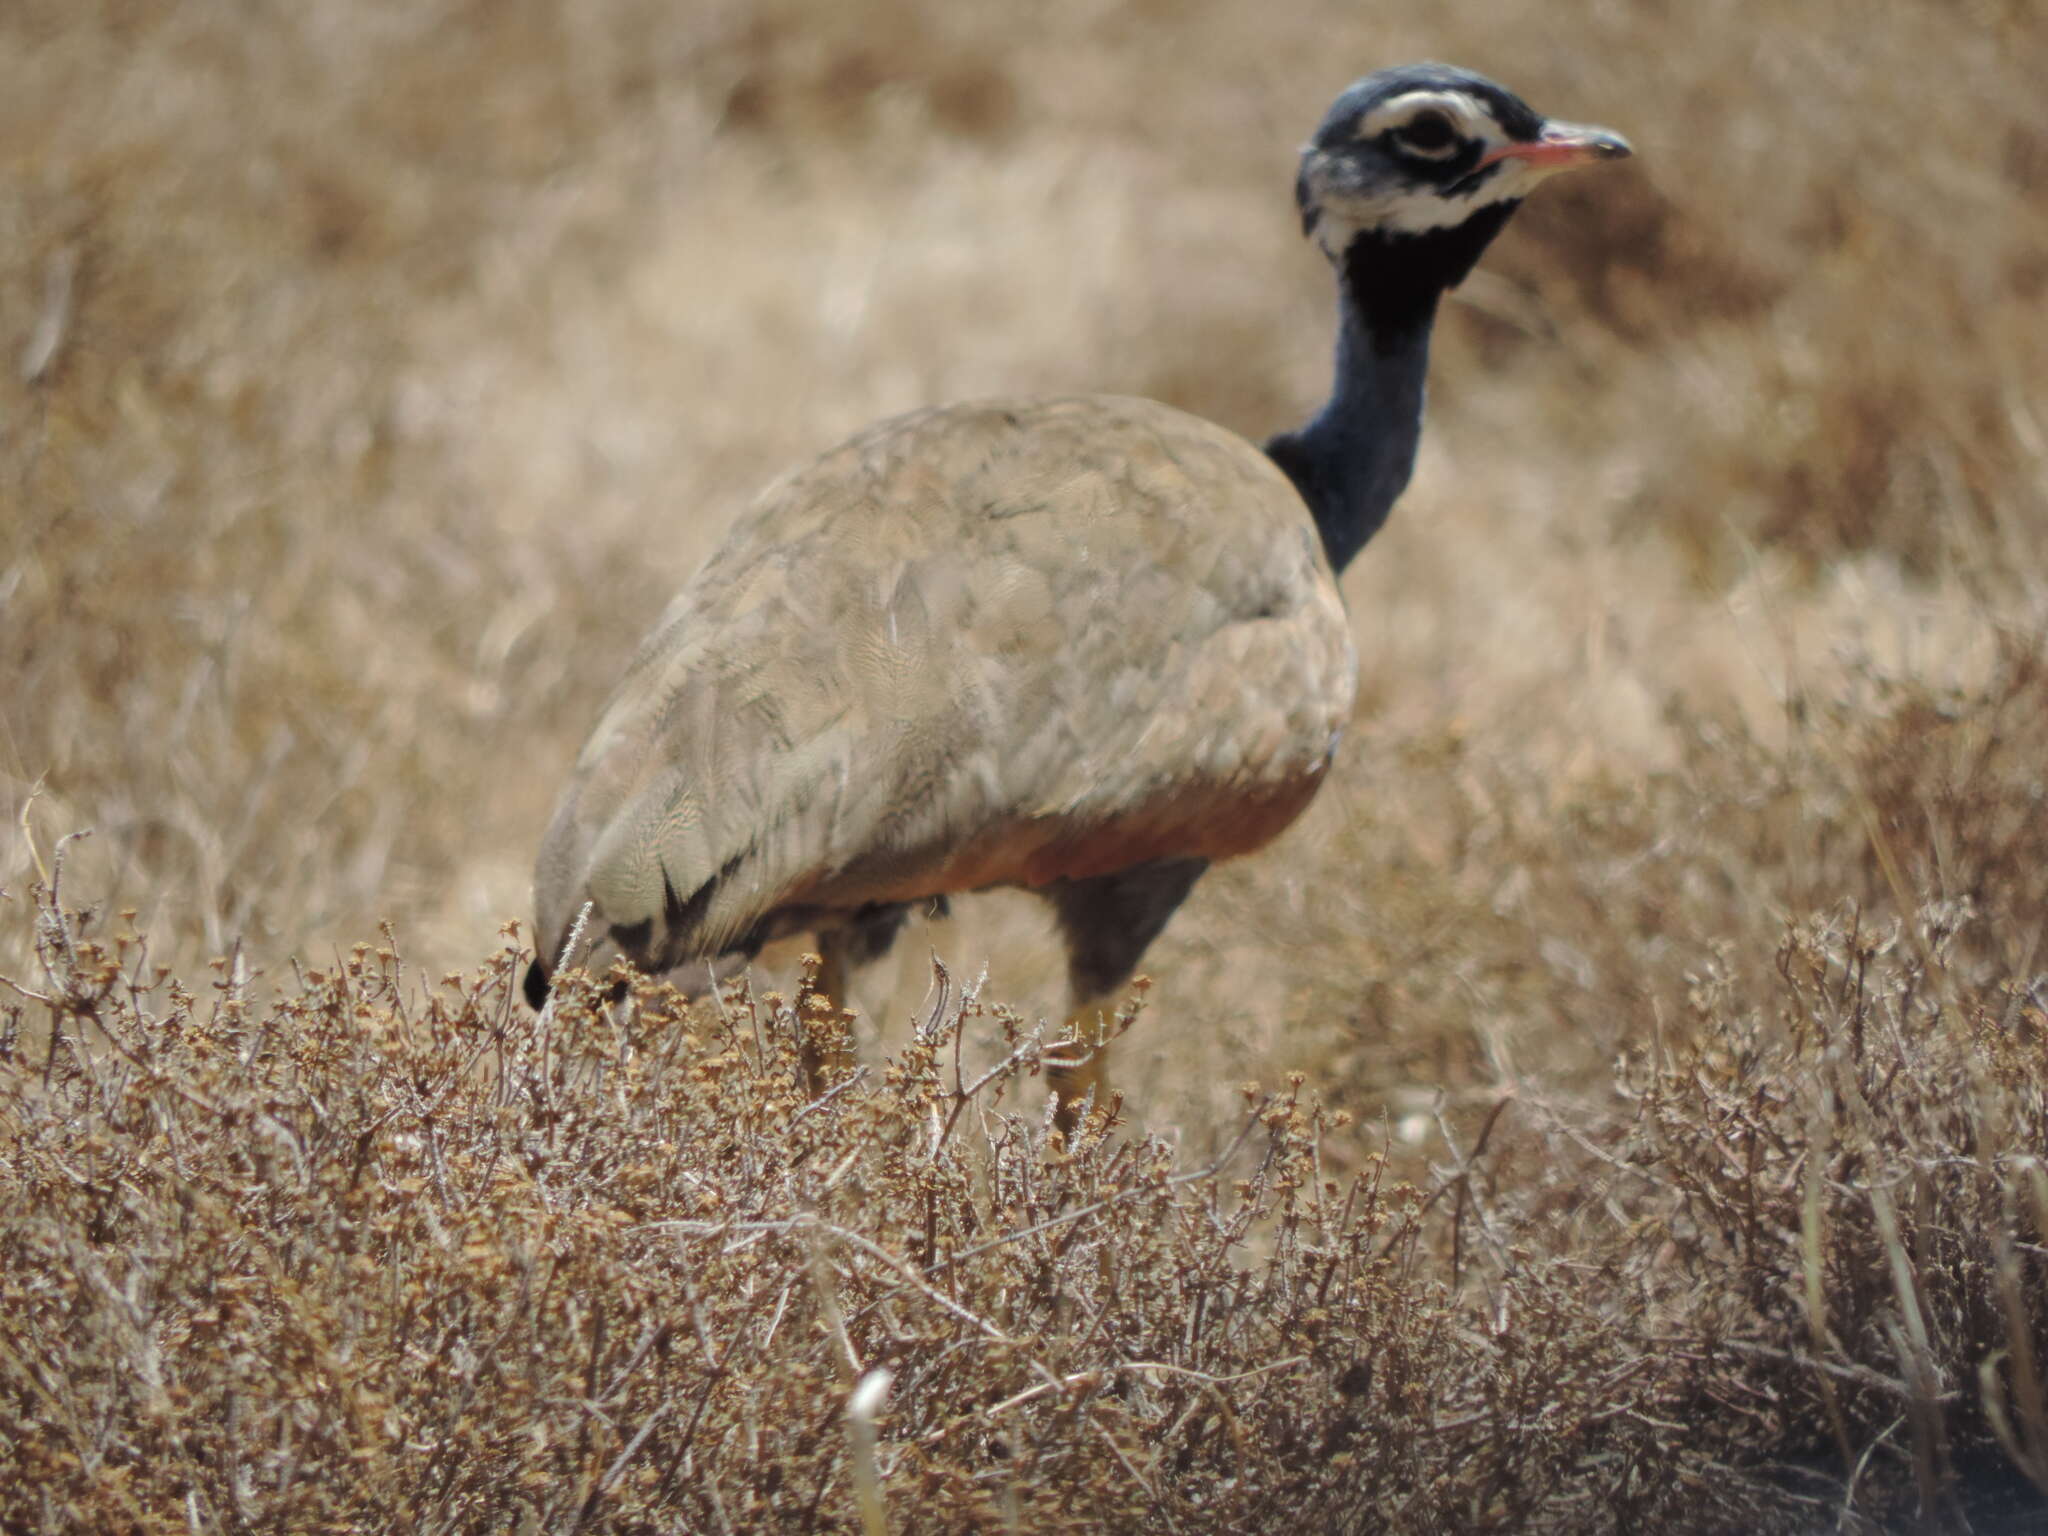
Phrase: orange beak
x=1562 y=146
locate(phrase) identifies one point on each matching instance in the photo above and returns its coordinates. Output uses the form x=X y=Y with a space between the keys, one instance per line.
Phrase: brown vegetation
x=1664 y=962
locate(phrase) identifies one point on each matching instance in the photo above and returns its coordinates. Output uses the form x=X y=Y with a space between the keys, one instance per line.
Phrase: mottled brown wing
x=995 y=643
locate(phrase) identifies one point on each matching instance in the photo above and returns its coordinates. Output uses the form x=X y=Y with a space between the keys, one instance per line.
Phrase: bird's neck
x=1353 y=460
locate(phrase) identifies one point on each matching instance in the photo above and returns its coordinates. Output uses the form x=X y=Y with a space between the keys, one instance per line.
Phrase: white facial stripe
x=1396 y=215
x=1341 y=216
x=1469 y=117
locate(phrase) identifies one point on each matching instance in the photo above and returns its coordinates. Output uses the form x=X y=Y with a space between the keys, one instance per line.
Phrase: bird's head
x=1428 y=147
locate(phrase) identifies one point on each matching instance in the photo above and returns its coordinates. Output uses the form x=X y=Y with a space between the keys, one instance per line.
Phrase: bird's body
x=1001 y=643
x=1084 y=645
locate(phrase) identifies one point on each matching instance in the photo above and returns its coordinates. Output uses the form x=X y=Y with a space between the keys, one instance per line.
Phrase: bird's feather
x=997 y=643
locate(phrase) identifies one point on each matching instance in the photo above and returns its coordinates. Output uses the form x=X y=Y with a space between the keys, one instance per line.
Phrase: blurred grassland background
x=379 y=369
x=370 y=374
x=374 y=371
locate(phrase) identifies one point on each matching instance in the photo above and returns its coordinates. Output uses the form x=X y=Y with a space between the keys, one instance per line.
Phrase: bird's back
x=995 y=643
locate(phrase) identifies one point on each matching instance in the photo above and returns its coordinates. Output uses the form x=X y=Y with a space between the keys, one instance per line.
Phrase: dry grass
x=370 y=373
x=379 y=1255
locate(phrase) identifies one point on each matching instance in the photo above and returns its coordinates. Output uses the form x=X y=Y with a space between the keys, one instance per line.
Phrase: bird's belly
x=1206 y=821
x=1211 y=822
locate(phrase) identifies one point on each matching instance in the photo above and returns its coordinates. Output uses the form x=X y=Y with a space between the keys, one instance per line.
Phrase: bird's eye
x=1428 y=133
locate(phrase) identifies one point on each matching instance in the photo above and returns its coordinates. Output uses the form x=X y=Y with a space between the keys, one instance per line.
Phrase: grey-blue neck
x=1353 y=460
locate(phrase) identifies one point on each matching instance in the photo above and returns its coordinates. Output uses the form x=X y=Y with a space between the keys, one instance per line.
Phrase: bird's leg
x=1081 y=1067
x=824 y=1006
x=827 y=1048
x=1107 y=921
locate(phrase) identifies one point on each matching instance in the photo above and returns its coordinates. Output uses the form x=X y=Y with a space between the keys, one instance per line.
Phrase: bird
x=1087 y=645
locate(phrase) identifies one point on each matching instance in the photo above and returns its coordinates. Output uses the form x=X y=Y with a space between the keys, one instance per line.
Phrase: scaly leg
x=864 y=936
x=827 y=1049
x=1107 y=921
x=1081 y=1068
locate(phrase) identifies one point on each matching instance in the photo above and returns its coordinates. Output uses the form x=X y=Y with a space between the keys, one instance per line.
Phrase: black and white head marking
x=1426 y=147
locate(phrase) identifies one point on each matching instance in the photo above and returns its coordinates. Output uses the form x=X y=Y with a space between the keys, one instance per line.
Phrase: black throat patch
x=1396 y=279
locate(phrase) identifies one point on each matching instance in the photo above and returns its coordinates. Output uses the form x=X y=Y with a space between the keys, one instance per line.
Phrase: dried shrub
x=375 y=1255
x=1851 y=1181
